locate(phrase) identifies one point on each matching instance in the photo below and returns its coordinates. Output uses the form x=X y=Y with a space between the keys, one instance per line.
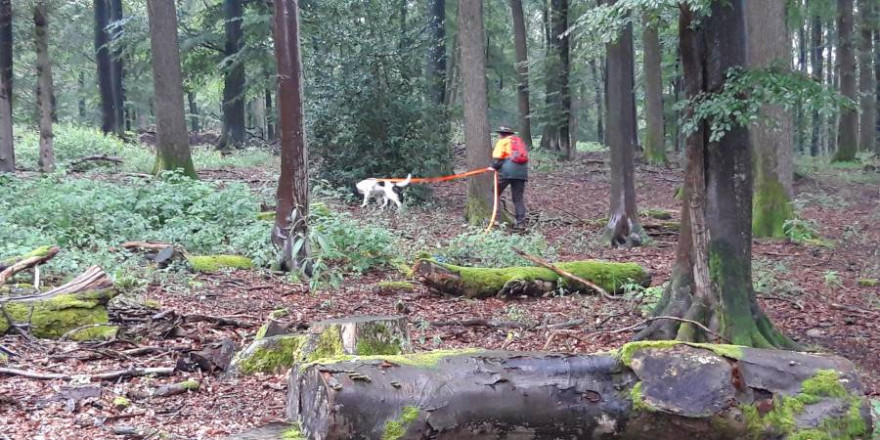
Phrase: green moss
x=292 y=433
x=395 y=286
x=810 y=434
x=329 y=345
x=121 y=402
x=869 y=282
x=825 y=383
x=482 y=282
x=192 y=385
x=53 y=317
x=266 y=215
x=771 y=208
x=626 y=353
x=378 y=340
x=659 y=214
x=213 y=263
x=100 y=333
x=4 y=359
x=428 y=359
x=395 y=429
x=638 y=399
x=153 y=304
x=269 y=354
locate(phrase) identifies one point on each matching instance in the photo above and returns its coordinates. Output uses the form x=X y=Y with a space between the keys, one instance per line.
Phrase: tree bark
x=172 y=149
x=193 y=112
x=773 y=141
x=522 y=71
x=877 y=77
x=654 y=141
x=817 y=61
x=712 y=276
x=598 y=86
x=7 y=145
x=848 y=128
x=270 y=127
x=475 y=97
x=118 y=66
x=556 y=130
x=623 y=227
x=644 y=393
x=436 y=69
x=233 y=78
x=867 y=78
x=105 y=65
x=292 y=210
x=44 y=86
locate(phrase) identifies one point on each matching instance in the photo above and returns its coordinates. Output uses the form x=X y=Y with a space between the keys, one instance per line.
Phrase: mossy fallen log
x=213 y=263
x=479 y=282
x=77 y=304
x=40 y=255
x=365 y=335
x=655 y=390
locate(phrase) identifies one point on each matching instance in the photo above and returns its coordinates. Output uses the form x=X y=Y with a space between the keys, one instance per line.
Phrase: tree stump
x=479 y=282
x=651 y=390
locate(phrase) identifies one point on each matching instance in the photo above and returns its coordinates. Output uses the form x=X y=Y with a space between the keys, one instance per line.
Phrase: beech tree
x=623 y=227
x=773 y=136
x=290 y=233
x=522 y=71
x=654 y=140
x=848 y=127
x=867 y=78
x=172 y=149
x=436 y=68
x=44 y=86
x=475 y=99
x=817 y=62
x=556 y=130
x=233 y=78
x=111 y=121
x=7 y=147
x=711 y=281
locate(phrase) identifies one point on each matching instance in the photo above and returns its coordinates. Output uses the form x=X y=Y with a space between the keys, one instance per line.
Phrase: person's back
x=511 y=161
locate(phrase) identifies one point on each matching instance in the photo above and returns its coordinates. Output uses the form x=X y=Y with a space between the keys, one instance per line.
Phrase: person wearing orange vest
x=510 y=159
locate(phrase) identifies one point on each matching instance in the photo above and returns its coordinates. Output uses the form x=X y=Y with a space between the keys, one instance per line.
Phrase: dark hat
x=504 y=129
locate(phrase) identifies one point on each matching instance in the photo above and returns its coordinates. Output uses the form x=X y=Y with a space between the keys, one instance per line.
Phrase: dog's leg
x=366 y=199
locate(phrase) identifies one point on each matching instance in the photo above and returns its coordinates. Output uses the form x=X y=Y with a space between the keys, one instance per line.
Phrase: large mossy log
x=480 y=282
x=655 y=390
x=79 y=303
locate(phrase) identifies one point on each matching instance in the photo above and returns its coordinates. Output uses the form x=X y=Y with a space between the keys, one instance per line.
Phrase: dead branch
x=483 y=323
x=28 y=262
x=93 y=278
x=112 y=375
x=7 y=351
x=674 y=318
x=177 y=388
x=151 y=246
x=564 y=274
x=95 y=158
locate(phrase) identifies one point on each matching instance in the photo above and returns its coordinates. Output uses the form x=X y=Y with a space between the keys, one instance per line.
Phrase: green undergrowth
x=474 y=247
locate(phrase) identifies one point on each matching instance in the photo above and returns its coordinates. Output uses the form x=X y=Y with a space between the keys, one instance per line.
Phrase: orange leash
x=461 y=176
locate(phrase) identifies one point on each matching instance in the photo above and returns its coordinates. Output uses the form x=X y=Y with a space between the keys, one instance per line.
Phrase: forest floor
x=812 y=293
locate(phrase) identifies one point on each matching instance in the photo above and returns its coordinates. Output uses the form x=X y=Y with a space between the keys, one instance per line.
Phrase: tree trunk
x=712 y=276
x=598 y=85
x=290 y=234
x=522 y=71
x=555 y=136
x=848 y=129
x=233 y=78
x=654 y=141
x=193 y=112
x=270 y=127
x=773 y=141
x=662 y=391
x=817 y=61
x=104 y=63
x=81 y=92
x=7 y=148
x=436 y=69
x=476 y=124
x=623 y=226
x=832 y=78
x=867 y=80
x=172 y=149
x=877 y=77
x=44 y=86
x=118 y=69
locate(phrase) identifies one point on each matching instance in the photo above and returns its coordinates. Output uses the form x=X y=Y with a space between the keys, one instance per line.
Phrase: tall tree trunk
x=233 y=78
x=270 y=127
x=7 y=147
x=436 y=70
x=44 y=86
x=817 y=61
x=193 y=112
x=712 y=277
x=623 y=225
x=475 y=96
x=848 y=131
x=81 y=91
x=800 y=117
x=773 y=141
x=598 y=86
x=104 y=63
x=867 y=80
x=832 y=80
x=292 y=210
x=118 y=72
x=522 y=71
x=877 y=78
x=555 y=136
x=654 y=141
x=172 y=150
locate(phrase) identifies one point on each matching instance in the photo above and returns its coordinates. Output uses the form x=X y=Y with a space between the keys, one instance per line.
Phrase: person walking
x=511 y=160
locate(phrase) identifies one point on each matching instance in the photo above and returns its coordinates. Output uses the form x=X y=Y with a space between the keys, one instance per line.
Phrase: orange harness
x=461 y=176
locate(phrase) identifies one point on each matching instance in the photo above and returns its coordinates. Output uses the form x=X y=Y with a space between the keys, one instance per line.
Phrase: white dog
x=381 y=188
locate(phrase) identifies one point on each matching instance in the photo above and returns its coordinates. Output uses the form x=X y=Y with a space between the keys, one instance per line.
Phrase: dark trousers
x=517 y=190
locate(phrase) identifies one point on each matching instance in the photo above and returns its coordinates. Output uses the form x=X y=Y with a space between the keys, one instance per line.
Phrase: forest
x=289 y=219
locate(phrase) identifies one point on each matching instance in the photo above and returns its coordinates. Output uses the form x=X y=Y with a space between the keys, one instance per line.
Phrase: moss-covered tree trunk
x=848 y=127
x=7 y=149
x=649 y=391
x=654 y=140
x=476 y=123
x=773 y=137
x=172 y=148
x=712 y=277
x=623 y=227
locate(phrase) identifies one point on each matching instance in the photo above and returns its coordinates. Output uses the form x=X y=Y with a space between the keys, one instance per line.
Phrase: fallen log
x=112 y=375
x=655 y=390
x=81 y=302
x=12 y=266
x=478 y=282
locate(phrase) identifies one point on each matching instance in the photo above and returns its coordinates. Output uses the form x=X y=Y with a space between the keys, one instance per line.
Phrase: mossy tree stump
x=365 y=335
x=652 y=390
x=478 y=282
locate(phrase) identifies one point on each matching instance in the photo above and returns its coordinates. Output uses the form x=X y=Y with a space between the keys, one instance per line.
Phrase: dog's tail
x=405 y=182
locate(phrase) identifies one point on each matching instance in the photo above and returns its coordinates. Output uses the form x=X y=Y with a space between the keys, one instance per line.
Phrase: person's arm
x=500 y=153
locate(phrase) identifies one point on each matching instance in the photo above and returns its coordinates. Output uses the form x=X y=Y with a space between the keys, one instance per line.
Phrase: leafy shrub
x=492 y=249
x=804 y=232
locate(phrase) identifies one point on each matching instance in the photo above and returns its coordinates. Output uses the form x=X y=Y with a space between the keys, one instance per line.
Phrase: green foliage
x=493 y=249
x=800 y=231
